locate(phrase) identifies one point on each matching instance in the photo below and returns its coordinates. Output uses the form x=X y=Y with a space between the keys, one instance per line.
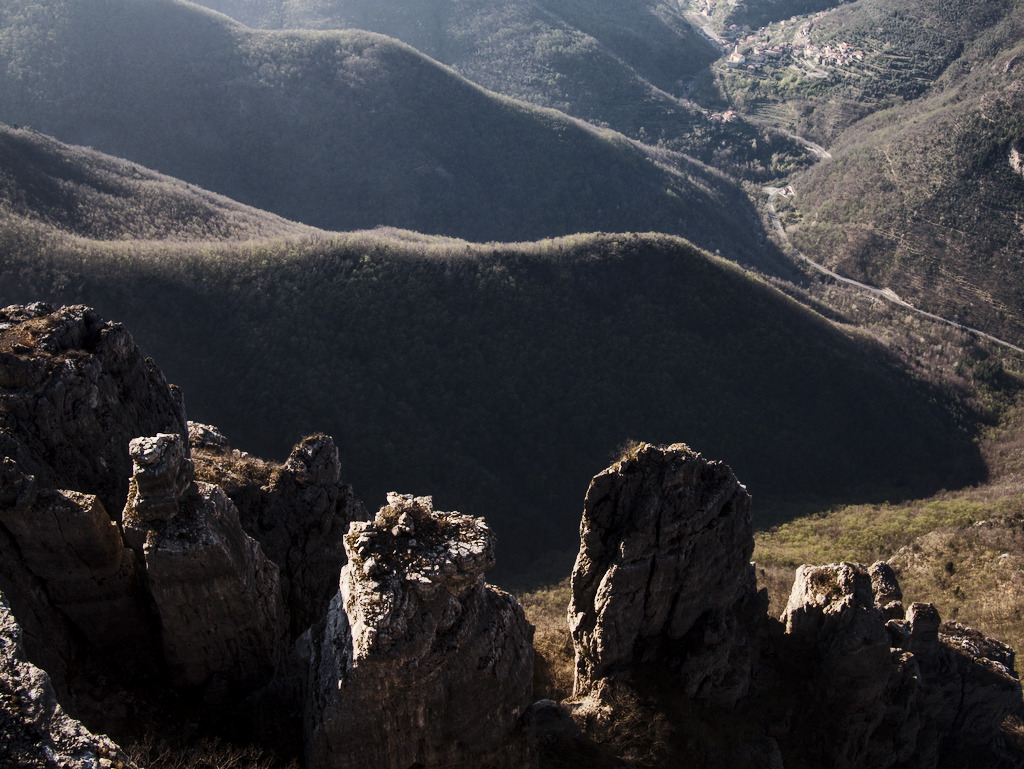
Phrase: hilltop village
x=755 y=49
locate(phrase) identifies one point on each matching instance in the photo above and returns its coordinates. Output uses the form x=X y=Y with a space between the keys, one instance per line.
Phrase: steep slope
x=927 y=197
x=627 y=64
x=538 y=40
x=340 y=130
x=495 y=376
x=758 y=13
x=96 y=196
x=919 y=104
x=819 y=74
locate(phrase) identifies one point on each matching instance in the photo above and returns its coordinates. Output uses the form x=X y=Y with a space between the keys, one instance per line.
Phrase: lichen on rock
x=415 y=643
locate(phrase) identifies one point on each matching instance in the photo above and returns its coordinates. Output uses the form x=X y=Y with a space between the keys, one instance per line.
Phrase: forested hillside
x=498 y=376
x=389 y=222
x=627 y=64
x=87 y=193
x=925 y=197
x=340 y=129
x=520 y=42
x=758 y=13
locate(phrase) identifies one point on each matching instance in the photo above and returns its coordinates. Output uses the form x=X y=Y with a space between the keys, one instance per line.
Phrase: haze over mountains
x=498 y=376
x=923 y=199
x=342 y=130
x=316 y=218
x=628 y=64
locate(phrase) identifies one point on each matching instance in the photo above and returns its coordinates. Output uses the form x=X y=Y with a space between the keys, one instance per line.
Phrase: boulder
x=663 y=588
x=419 y=662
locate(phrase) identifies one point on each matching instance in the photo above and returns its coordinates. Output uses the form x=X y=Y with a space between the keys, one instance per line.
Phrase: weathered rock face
x=420 y=663
x=412 y=661
x=217 y=595
x=35 y=732
x=74 y=390
x=877 y=690
x=298 y=512
x=662 y=584
x=68 y=542
x=836 y=637
x=663 y=605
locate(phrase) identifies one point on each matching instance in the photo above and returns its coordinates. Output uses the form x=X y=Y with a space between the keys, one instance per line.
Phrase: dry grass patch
x=555 y=664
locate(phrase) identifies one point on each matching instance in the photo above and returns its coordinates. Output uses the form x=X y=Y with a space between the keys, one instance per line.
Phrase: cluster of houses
x=729 y=116
x=758 y=54
x=838 y=55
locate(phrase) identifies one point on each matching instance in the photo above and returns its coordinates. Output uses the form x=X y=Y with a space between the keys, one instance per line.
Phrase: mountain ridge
x=343 y=130
x=493 y=360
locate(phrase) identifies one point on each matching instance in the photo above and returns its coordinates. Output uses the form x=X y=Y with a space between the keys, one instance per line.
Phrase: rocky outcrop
x=113 y=550
x=298 y=512
x=663 y=585
x=663 y=606
x=420 y=663
x=849 y=677
x=35 y=732
x=74 y=390
x=217 y=595
x=877 y=690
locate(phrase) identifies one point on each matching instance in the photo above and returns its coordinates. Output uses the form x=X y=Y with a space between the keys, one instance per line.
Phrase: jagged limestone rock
x=298 y=512
x=74 y=390
x=968 y=686
x=217 y=595
x=49 y=639
x=420 y=663
x=35 y=732
x=663 y=588
x=839 y=635
x=206 y=436
x=886 y=587
x=878 y=692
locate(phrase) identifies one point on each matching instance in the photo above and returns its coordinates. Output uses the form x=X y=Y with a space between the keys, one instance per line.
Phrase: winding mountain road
x=703 y=27
x=886 y=293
